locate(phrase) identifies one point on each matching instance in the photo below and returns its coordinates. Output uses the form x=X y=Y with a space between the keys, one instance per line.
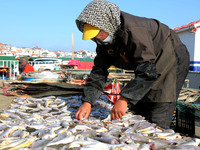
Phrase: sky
x=49 y=24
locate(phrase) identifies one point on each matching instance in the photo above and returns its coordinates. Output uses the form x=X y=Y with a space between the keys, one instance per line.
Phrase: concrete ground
x=4 y=100
x=197 y=131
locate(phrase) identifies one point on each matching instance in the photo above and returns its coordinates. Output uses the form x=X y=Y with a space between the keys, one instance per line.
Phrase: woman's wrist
x=123 y=99
x=87 y=104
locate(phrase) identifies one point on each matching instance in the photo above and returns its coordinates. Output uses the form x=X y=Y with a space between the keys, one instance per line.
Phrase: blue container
x=3 y=77
x=28 y=78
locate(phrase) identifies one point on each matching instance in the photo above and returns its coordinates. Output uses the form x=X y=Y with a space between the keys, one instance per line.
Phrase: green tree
x=84 y=53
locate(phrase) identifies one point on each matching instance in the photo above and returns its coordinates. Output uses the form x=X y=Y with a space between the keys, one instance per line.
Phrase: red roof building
x=190 y=36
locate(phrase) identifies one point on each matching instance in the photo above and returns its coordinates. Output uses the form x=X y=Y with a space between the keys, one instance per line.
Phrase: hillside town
x=9 y=50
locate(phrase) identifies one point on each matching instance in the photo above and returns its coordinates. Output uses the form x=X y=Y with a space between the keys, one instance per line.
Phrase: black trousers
x=155 y=112
x=21 y=69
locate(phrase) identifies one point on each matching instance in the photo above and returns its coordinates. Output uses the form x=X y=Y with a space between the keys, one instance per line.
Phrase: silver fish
x=65 y=140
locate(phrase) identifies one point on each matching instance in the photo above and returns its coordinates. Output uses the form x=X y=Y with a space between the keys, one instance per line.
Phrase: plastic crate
x=185 y=122
x=28 y=78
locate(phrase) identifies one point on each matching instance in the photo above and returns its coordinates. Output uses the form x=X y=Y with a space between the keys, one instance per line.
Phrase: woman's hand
x=119 y=108
x=83 y=111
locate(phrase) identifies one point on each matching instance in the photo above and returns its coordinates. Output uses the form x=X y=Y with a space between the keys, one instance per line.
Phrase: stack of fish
x=189 y=95
x=49 y=123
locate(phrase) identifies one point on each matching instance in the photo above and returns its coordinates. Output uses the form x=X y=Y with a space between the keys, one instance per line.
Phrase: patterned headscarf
x=101 y=14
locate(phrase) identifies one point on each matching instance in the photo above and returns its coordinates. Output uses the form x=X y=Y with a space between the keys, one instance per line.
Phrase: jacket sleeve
x=136 y=89
x=98 y=77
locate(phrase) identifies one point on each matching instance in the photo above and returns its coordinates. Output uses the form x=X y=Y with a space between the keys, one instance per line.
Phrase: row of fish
x=49 y=123
x=189 y=95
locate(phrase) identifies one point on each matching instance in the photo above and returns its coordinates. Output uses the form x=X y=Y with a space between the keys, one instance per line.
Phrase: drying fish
x=20 y=143
x=192 y=98
x=65 y=140
x=144 y=147
x=20 y=133
x=3 y=126
x=96 y=146
x=49 y=135
x=189 y=95
x=82 y=128
x=7 y=114
x=170 y=137
x=107 y=140
x=101 y=129
x=61 y=130
x=164 y=133
x=145 y=126
x=49 y=123
x=187 y=147
x=12 y=144
x=138 y=137
x=27 y=142
x=182 y=97
x=80 y=143
x=39 y=143
x=36 y=126
x=7 y=132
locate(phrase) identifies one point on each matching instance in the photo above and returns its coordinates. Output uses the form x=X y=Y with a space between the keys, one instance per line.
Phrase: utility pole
x=72 y=46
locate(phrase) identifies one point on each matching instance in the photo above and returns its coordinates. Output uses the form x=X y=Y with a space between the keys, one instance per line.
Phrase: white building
x=36 y=51
x=47 y=53
x=190 y=36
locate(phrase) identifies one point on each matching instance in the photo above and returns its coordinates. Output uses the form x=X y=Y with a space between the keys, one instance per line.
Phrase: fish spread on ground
x=49 y=123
